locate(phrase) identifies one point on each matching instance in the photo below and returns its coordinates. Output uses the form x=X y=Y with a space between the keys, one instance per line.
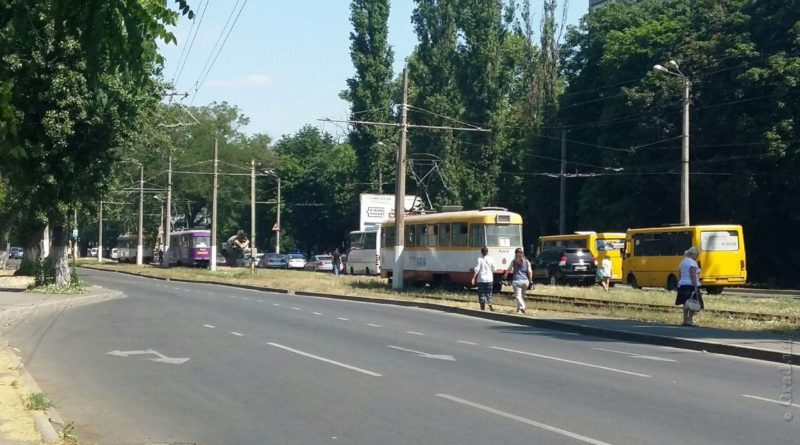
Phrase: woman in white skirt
x=521 y=276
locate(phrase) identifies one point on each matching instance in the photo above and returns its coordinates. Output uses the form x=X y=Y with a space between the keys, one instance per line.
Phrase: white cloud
x=248 y=81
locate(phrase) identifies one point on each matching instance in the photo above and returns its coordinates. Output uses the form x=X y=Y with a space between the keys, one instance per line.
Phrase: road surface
x=188 y=363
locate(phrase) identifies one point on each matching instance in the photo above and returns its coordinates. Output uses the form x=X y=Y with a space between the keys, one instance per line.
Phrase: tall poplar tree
x=370 y=90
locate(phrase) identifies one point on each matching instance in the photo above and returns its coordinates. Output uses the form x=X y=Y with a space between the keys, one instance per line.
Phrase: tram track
x=607 y=304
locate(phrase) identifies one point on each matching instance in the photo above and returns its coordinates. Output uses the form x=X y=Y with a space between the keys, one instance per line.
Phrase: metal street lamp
x=675 y=70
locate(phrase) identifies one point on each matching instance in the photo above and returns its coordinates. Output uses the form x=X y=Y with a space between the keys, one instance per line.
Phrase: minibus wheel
x=672 y=283
x=632 y=282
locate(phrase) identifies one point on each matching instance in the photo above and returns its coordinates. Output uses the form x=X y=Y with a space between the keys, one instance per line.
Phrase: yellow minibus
x=602 y=245
x=652 y=256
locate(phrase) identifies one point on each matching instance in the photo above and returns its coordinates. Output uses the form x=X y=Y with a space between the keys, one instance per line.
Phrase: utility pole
x=139 y=245
x=100 y=236
x=562 y=226
x=400 y=192
x=674 y=70
x=685 y=155
x=253 y=215
x=75 y=249
x=212 y=262
x=168 y=219
x=278 y=232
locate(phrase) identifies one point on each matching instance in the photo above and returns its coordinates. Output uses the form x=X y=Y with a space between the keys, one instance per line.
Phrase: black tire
x=632 y=281
x=352 y=272
x=715 y=290
x=672 y=283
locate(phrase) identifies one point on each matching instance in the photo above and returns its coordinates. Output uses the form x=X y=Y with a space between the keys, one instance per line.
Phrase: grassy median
x=374 y=287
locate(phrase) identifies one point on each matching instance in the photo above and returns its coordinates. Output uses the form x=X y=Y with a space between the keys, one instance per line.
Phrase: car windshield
x=324 y=258
x=296 y=256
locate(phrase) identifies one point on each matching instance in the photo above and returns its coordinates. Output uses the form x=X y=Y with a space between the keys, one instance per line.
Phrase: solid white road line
x=632 y=355
x=414 y=333
x=326 y=360
x=543 y=426
x=342 y=318
x=237 y=334
x=210 y=326
x=467 y=343
x=374 y=325
x=769 y=400
x=570 y=361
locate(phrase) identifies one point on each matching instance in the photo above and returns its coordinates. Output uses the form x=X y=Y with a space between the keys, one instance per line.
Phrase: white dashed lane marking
x=467 y=343
x=237 y=334
x=342 y=318
x=276 y=304
x=589 y=365
x=318 y=313
x=374 y=325
x=414 y=333
x=296 y=309
x=210 y=326
x=326 y=360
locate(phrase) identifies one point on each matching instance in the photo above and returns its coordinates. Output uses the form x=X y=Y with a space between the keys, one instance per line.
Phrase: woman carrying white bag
x=689 y=286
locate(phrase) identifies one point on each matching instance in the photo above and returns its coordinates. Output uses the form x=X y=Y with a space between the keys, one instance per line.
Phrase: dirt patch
x=16 y=421
x=11 y=282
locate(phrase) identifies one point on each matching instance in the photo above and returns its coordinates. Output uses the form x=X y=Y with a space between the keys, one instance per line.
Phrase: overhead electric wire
x=187 y=49
x=221 y=47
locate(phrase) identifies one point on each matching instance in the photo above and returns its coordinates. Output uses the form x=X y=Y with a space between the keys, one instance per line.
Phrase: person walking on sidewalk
x=484 y=277
x=521 y=276
x=689 y=284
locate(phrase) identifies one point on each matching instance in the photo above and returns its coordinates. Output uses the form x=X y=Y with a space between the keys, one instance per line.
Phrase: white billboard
x=375 y=209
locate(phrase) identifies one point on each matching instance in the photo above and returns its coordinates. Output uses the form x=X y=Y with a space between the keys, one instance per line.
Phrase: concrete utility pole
x=212 y=262
x=562 y=211
x=685 y=154
x=253 y=215
x=278 y=232
x=400 y=192
x=140 y=243
x=168 y=219
x=100 y=236
x=687 y=85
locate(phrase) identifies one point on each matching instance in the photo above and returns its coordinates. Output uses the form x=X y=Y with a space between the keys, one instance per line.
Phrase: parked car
x=115 y=253
x=91 y=252
x=320 y=263
x=15 y=252
x=565 y=265
x=273 y=261
x=295 y=261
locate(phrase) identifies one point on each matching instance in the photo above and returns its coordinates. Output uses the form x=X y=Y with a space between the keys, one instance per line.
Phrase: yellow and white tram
x=443 y=248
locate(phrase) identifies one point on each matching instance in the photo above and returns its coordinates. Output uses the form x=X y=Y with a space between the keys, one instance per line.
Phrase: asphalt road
x=278 y=369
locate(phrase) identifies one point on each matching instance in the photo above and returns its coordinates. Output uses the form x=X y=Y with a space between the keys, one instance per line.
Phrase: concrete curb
x=577 y=328
x=42 y=422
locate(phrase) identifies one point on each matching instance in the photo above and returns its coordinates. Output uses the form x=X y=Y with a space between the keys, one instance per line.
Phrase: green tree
x=370 y=90
x=78 y=82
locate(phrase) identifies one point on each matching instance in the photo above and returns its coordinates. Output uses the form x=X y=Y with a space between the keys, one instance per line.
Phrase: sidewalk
x=19 y=425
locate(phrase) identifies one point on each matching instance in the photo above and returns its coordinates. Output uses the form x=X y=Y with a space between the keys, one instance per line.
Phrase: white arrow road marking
x=326 y=360
x=449 y=358
x=632 y=355
x=770 y=400
x=570 y=361
x=543 y=426
x=160 y=358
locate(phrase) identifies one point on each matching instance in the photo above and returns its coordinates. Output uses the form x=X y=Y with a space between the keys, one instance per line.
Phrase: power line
x=176 y=78
x=222 y=46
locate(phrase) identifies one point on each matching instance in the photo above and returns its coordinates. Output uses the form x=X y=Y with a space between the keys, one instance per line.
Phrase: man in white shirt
x=484 y=277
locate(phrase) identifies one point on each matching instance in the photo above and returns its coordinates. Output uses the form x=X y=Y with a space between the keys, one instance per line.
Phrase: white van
x=363 y=252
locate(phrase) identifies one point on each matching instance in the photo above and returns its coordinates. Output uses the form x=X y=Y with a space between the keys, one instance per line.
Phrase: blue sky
x=285 y=62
